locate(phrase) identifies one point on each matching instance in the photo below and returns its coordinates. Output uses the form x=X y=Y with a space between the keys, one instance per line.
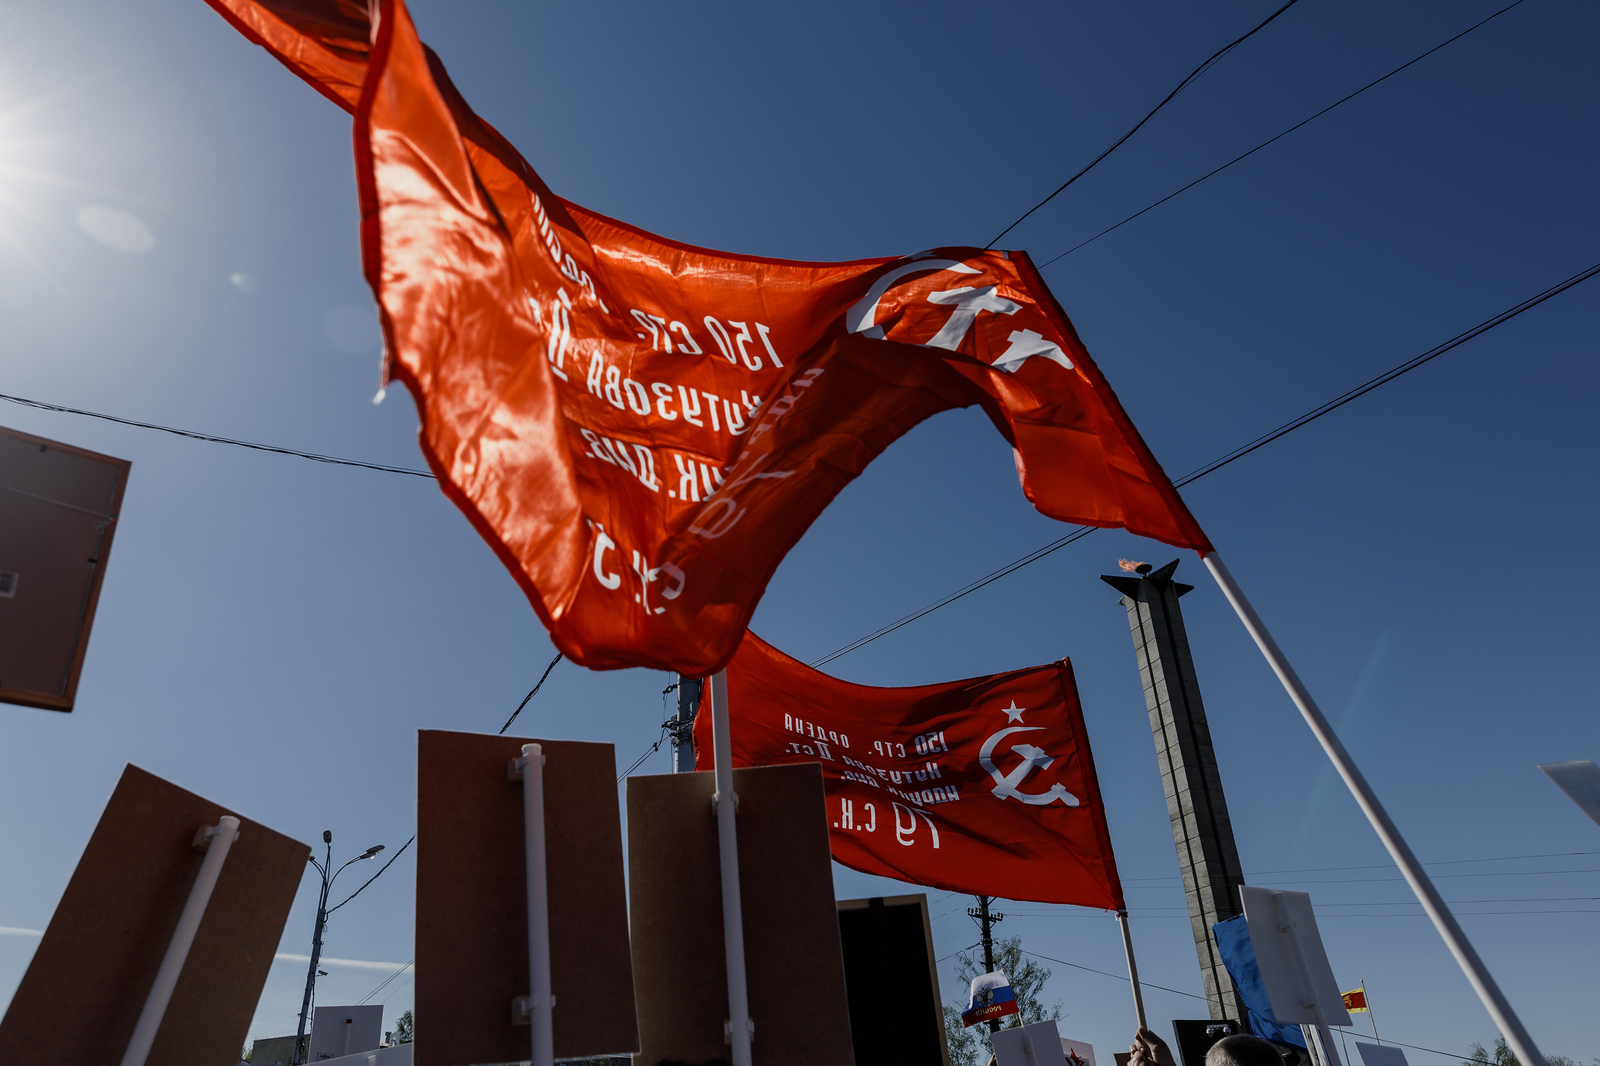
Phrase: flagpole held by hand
x=1133 y=968
x=1477 y=974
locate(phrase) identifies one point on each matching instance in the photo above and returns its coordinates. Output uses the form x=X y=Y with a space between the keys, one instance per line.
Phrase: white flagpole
x=1133 y=968
x=726 y=805
x=541 y=1004
x=217 y=839
x=1477 y=974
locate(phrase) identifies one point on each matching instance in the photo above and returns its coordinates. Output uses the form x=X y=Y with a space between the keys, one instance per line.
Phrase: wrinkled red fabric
x=984 y=786
x=641 y=429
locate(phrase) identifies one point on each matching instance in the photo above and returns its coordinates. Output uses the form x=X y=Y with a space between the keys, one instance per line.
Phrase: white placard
x=1294 y=966
x=1380 y=1055
x=1580 y=780
x=1077 y=1053
x=1028 y=1045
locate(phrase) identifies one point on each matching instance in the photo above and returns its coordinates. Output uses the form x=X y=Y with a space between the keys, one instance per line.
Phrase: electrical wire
x=1436 y=862
x=956 y=952
x=1279 y=137
x=640 y=760
x=1172 y=879
x=1150 y=911
x=1032 y=557
x=1458 y=914
x=315 y=457
x=1106 y=973
x=1436 y=877
x=375 y=876
x=1465 y=1059
x=1201 y=69
x=386 y=980
x=1389 y=375
x=1222 y=461
x=1474 y=902
x=395 y=990
x=530 y=695
x=1386 y=865
x=1191 y=995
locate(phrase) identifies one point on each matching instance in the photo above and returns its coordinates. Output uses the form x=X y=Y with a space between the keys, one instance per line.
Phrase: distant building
x=340 y=1031
x=398 y=1055
x=274 y=1051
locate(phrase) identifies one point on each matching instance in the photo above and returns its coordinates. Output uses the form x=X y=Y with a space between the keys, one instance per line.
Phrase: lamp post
x=316 y=939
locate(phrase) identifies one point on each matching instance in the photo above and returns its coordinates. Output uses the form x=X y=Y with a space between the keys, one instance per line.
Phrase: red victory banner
x=984 y=786
x=642 y=429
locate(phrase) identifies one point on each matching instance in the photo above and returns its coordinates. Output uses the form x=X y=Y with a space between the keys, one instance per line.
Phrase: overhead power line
x=954 y=953
x=385 y=982
x=1279 y=137
x=1389 y=375
x=1223 y=460
x=1458 y=914
x=193 y=435
x=1191 y=995
x=375 y=876
x=1322 y=906
x=530 y=695
x=1195 y=73
x=1437 y=877
x=1385 y=865
x=1474 y=902
x=1107 y=973
x=651 y=750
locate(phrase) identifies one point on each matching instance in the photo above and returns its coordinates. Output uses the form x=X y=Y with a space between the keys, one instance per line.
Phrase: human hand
x=1148 y=1049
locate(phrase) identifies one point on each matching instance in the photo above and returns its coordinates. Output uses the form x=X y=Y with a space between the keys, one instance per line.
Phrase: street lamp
x=316 y=939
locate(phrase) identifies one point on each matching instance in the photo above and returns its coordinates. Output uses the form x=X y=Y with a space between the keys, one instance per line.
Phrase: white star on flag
x=1013 y=713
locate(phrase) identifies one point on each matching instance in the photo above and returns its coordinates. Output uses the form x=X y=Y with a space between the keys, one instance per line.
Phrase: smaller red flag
x=984 y=786
x=1355 y=1001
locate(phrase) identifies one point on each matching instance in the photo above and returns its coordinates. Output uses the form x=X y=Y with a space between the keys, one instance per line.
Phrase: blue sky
x=272 y=632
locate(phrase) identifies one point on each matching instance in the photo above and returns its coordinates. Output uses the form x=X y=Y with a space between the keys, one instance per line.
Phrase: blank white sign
x=1580 y=780
x=1295 y=980
x=1012 y=1046
x=1380 y=1055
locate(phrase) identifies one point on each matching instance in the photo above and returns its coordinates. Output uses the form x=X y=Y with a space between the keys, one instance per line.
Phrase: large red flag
x=642 y=429
x=984 y=786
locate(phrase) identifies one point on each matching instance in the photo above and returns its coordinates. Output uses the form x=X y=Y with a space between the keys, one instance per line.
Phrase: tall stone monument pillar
x=1199 y=812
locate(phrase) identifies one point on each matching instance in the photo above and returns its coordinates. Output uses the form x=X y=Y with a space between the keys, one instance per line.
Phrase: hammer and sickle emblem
x=1005 y=786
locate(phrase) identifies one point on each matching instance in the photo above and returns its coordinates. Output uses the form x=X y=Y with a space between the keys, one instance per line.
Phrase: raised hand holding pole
x=1493 y=999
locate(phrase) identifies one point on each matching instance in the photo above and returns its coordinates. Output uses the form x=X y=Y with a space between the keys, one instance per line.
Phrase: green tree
x=404 y=1029
x=1478 y=1055
x=968 y=1047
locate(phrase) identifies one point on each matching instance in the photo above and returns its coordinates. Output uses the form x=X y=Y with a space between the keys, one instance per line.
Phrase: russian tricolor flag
x=991 y=998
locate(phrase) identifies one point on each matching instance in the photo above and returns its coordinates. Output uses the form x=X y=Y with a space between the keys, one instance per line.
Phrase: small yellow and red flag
x=1355 y=1001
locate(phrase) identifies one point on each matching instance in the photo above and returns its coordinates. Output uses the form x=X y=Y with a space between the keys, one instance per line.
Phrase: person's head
x=1243 y=1051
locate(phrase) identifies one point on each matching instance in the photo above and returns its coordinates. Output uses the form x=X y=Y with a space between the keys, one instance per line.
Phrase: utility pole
x=316 y=939
x=1201 y=830
x=986 y=919
x=681 y=725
